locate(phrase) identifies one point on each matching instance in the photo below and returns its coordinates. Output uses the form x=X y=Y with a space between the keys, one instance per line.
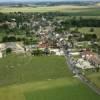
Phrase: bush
x=37 y=52
x=92 y=30
x=8 y=50
x=9 y=39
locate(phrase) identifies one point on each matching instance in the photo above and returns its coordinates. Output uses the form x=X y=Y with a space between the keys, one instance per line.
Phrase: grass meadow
x=95 y=78
x=40 y=78
x=86 y=30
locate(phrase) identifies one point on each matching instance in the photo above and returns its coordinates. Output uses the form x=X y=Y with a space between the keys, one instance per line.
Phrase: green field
x=87 y=30
x=40 y=78
x=70 y=9
x=95 y=78
x=20 y=69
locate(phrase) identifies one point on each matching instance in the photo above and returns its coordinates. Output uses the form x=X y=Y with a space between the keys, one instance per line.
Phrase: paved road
x=83 y=78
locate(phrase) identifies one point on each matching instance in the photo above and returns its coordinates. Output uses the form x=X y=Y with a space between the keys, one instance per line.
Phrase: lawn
x=95 y=78
x=40 y=78
x=21 y=69
x=71 y=91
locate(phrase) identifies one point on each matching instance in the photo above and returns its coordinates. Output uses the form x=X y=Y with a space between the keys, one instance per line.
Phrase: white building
x=16 y=47
x=1 y=55
x=74 y=53
x=57 y=52
x=83 y=64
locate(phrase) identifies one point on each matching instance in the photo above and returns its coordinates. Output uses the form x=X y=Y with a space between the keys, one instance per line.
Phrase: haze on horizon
x=42 y=0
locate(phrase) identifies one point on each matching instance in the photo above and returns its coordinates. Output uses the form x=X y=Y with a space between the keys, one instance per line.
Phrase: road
x=82 y=77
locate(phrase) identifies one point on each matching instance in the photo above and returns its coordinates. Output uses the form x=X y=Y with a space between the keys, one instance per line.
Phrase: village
x=43 y=36
x=49 y=50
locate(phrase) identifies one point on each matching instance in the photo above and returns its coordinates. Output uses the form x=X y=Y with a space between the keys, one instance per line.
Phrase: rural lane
x=77 y=72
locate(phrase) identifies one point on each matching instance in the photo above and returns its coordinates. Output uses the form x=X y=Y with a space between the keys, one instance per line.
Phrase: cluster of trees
x=8 y=50
x=81 y=23
x=25 y=17
x=15 y=39
x=30 y=41
x=19 y=17
x=12 y=39
x=89 y=37
x=38 y=52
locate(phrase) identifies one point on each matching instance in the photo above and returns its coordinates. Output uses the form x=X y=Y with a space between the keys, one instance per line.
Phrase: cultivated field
x=40 y=8
x=40 y=78
x=70 y=9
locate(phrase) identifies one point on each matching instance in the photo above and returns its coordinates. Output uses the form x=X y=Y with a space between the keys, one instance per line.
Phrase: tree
x=90 y=37
x=37 y=52
x=92 y=29
x=97 y=69
x=9 y=39
x=8 y=50
x=46 y=51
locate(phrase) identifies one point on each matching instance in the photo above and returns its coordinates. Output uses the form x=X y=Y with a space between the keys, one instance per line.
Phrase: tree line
x=81 y=22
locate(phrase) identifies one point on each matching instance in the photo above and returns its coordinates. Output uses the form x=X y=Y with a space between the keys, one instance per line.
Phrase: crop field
x=40 y=78
x=42 y=8
x=70 y=9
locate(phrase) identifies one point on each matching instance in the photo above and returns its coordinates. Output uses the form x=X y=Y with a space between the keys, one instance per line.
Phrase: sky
x=42 y=0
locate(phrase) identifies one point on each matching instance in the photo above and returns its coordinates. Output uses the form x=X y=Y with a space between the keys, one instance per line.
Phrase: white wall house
x=1 y=55
x=74 y=53
x=83 y=64
x=57 y=52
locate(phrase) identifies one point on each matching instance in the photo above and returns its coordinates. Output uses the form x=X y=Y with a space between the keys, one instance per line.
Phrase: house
x=57 y=52
x=42 y=45
x=74 y=53
x=1 y=55
x=30 y=47
x=2 y=46
x=87 y=54
x=57 y=35
x=82 y=44
x=83 y=64
x=92 y=57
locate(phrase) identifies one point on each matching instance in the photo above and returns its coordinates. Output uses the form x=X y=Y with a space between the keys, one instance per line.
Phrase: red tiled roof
x=91 y=56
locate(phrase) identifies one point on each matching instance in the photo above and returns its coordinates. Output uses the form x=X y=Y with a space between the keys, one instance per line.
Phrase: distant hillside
x=79 y=3
x=98 y=4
